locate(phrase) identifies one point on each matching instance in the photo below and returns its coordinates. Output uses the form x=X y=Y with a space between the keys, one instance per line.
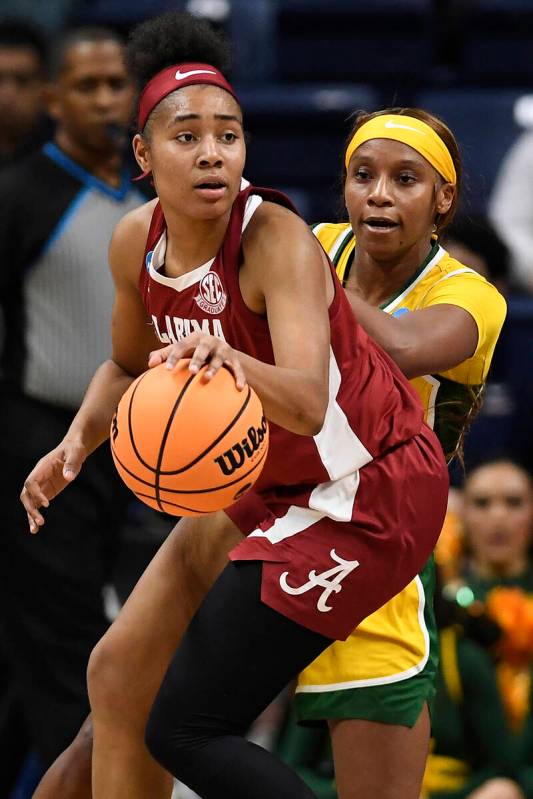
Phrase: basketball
x=186 y=445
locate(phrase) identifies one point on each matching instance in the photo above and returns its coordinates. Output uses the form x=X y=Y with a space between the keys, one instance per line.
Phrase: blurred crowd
x=65 y=170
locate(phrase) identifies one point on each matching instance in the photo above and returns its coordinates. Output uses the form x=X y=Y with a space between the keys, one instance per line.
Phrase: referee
x=59 y=207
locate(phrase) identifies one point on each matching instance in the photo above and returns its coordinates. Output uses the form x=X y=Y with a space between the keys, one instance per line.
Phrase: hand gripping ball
x=186 y=445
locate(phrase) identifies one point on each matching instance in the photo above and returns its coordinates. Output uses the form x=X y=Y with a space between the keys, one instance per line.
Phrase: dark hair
x=173 y=38
x=499 y=461
x=440 y=128
x=477 y=233
x=72 y=38
x=16 y=34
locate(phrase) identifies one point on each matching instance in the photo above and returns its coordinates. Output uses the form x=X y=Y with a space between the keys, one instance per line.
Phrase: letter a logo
x=329 y=580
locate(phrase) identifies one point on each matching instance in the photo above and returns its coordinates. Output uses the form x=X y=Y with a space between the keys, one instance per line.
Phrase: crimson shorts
x=328 y=575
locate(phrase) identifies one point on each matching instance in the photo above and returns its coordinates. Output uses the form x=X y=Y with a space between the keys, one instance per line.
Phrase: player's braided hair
x=453 y=417
x=173 y=38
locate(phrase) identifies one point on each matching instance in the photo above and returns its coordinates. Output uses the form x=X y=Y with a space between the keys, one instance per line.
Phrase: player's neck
x=104 y=166
x=376 y=279
x=191 y=242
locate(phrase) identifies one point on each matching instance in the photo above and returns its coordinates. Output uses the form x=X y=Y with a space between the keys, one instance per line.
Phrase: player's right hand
x=48 y=478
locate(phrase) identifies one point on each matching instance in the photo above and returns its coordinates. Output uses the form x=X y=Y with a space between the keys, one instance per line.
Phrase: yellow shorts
x=385 y=670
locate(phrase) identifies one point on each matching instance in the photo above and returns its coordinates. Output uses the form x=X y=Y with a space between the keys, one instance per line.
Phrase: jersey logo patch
x=211 y=297
x=330 y=581
x=400 y=312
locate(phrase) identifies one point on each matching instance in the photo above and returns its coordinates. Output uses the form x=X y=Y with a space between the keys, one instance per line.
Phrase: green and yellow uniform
x=385 y=671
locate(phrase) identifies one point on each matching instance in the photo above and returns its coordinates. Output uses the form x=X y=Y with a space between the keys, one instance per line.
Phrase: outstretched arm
x=132 y=341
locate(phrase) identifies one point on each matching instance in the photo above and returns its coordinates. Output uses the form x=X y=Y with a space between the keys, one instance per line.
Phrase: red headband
x=177 y=77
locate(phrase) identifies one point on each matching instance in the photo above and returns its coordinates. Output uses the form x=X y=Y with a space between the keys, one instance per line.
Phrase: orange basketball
x=186 y=445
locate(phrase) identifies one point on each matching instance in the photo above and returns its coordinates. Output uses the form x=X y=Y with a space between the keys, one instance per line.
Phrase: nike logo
x=182 y=75
x=389 y=124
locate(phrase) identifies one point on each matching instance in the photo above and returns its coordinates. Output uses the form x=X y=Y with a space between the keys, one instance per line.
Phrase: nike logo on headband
x=389 y=124
x=182 y=75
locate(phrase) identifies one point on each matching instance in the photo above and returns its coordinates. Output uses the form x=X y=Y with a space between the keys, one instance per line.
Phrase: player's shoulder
x=332 y=235
x=274 y=238
x=128 y=242
x=460 y=275
x=459 y=283
x=447 y=266
x=272 y=224
x=276 y=214
x=330 y=229
x=136 y=223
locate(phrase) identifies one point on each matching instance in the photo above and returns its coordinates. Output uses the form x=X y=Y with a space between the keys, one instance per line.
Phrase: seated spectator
x=511 y=208
x=498 y=519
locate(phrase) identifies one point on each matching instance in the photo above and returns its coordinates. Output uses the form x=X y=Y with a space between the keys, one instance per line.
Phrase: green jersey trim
x=435 y=254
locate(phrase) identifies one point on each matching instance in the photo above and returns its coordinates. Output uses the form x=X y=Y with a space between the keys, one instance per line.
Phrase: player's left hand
x=202 y=349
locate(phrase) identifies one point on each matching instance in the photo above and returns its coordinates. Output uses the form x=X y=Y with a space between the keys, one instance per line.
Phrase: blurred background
x=302 y=68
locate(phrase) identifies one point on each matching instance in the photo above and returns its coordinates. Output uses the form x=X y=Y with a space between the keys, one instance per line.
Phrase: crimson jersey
x=371 y=406
x=331 y=514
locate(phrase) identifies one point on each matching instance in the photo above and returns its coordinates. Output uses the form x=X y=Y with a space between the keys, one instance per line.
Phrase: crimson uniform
x=350 y=515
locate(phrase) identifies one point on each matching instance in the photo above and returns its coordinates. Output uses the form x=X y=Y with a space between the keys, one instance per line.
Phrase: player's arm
x=289 y=272
x=285 y=278
x=423 y=342
x=132 y=337
x=132 y=341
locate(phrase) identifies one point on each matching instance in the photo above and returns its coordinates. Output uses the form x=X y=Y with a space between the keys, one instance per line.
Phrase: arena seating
x=484 y=124
x=353 y=40
x=497 y=42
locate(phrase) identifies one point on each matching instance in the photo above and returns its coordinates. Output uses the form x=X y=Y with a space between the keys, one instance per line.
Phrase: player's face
x=498 y=514
x=195 y=149
x=392 y=195
x=93 y=95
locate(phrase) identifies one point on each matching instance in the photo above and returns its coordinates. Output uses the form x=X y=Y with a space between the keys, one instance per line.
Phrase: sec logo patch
x=211 y=297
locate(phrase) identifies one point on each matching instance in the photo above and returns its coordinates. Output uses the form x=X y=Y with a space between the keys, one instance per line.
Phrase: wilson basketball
x=186 y=445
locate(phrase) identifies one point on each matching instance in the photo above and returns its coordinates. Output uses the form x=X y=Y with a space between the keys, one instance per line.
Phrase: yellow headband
x=408 y=130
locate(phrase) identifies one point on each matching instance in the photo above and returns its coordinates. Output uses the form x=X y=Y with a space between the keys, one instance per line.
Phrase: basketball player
x=375 y=687
x=354 y=482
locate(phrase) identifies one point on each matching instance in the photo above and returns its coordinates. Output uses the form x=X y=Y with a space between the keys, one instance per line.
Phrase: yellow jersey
x=447 y=397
